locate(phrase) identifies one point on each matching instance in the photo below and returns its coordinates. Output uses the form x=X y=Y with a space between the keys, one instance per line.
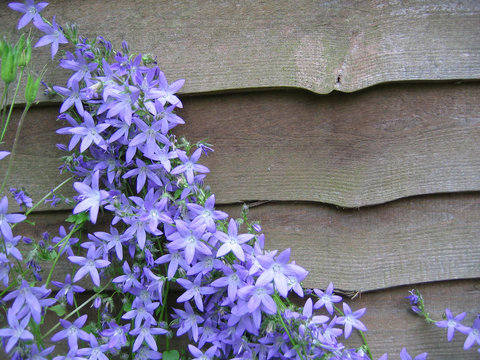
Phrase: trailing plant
x=160 y=230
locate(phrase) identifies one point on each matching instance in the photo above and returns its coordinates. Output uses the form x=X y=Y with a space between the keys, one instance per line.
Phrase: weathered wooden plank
x=392 y=326
x=319 y=46
x=352 y=150
x=36 y=164
x=409 y=241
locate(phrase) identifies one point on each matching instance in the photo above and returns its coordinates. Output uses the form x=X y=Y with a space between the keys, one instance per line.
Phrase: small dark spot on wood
x=338 y=80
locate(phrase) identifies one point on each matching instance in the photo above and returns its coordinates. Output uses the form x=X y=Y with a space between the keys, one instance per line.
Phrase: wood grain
x=316 y=45
x=420 y=239
x=392 y=326
x=351 y=150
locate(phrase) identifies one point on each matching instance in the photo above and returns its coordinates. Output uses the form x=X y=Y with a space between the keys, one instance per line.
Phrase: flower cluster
x=158 y=226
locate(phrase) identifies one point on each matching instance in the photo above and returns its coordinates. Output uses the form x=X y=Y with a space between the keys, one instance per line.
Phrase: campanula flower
x=53 y=34
x=30 y=10
x=16 y=330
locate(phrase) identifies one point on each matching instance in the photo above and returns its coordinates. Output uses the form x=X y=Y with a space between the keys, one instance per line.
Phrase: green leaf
x=58 y=309
x=79 y=219
x=171 y=355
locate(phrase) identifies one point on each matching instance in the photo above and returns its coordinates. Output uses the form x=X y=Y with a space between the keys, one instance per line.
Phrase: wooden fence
x=351 y=128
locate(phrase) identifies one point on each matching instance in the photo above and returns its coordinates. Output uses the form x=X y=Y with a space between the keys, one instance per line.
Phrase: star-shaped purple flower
x=350 y=320
x=89 y=265
x=30 y=10
x=7 y=219
x=453 y=323
x=92 y=197
x=54 y=34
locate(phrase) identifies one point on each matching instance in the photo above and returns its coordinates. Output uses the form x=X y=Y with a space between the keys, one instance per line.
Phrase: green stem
x=280 y=304
x=64 y=243
x=14 y=149
x=4 y=100
x=11 y=106
x=46 y=196
x=13 y=283
x=77 y=309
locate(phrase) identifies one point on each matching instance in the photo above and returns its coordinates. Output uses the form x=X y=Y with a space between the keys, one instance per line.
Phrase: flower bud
x=31 y=90
x=9 y=65
x=3 y=45
x=25 y=55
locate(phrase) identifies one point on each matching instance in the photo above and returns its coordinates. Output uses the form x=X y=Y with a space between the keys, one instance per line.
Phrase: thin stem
x=15 y=143
x=65 y=242
x=280 y=304
x=46 y=196
x=77 y=309
x=4 y=100
x=11 y=106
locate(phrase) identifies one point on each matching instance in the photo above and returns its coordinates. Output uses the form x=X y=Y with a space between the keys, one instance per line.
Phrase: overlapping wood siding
x=351 y=127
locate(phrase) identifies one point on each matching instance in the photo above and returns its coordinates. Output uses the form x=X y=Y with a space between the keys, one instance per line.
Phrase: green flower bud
x=3 y=45
x=31 y=90
x=19 y=46
x=25 y=55
x=9 y=65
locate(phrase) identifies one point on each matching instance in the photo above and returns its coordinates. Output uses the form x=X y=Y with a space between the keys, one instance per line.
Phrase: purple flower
x=95 y=351
x=195 y=291
x=174 y=259
x=71 y=355
x=232 y=280
x=189 y=165
x=37 y=354
x=89 y=264
x=79 y=65
x=453 y=323
x=144 y=171
x=92 y=197
x=327 y=298
x=404 y=355
x=21 y=198
x=165 y=93
x=473 y=335
x=128 y=278
x=7 y=219
x=188 y=238
x=188 y=321
x=54 y=34
x=114 y=240
x=89 y=132
x=116 y=335
x=10 y=247
x=278 y=270
x=141 y=312
x=206 y=214
x=30 y=296
x=72 y=332
x=258 y=297
x=73 y=96
x=232 y=242
x=4 y=154
x=149 y=135
x=30 y=10
x=16 y=331
x=67 y=289
x=124 y=104
x=350 y=320
x=145 y=332
x=199 y=355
